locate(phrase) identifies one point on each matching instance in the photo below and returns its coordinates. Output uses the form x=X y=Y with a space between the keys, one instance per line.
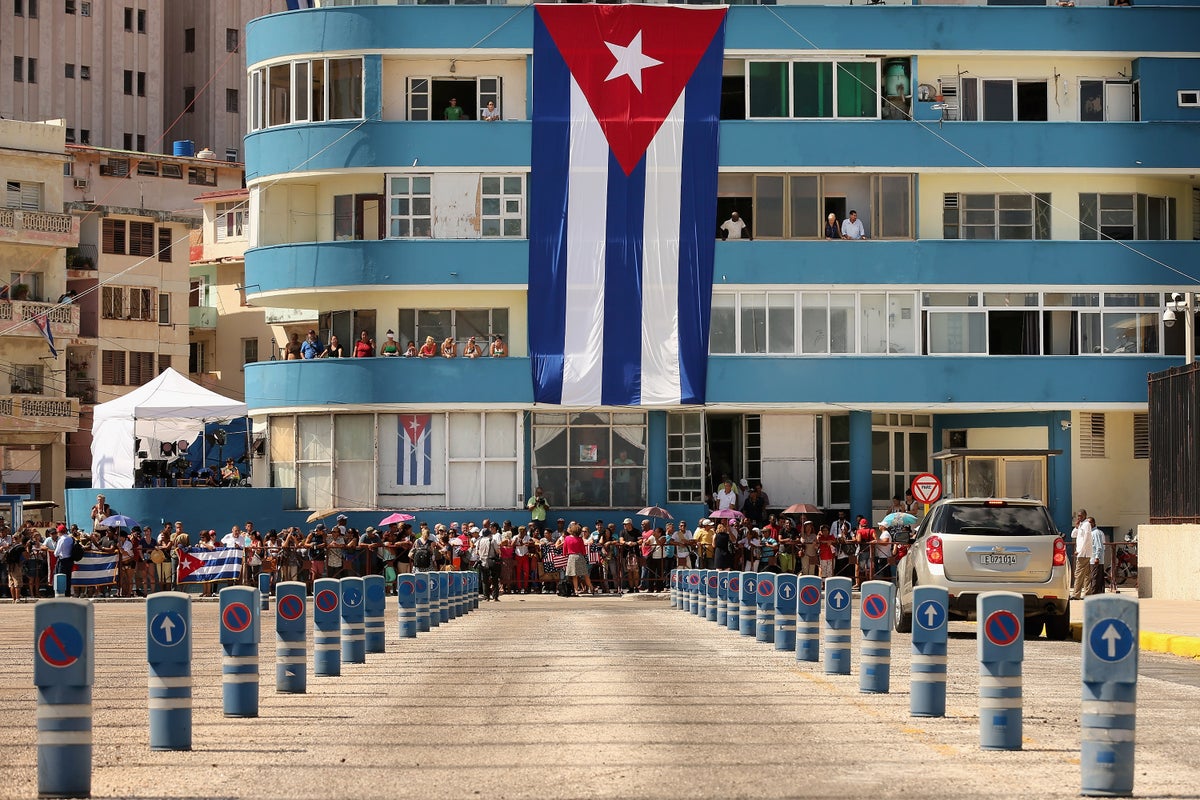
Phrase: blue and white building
x=1027 y=177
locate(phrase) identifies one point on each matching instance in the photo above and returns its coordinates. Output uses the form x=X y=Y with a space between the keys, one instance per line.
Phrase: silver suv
x=975 y=545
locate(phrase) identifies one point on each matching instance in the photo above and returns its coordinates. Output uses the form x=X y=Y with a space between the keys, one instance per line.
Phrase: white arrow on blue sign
x=838 y=599
x=1111 y=639
x=930 y=615
x=787 y=591
x=168 y=628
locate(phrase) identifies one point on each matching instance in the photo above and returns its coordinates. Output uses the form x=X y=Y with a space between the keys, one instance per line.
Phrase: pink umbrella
x=726 y=513
x=655 y=511
x=397 y=518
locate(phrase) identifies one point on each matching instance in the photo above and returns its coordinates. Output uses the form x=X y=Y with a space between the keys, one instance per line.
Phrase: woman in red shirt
x=429 y=349
x=576 y=552
x=364 y=347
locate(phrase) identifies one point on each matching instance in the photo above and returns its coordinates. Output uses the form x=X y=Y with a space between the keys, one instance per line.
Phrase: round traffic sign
x=422 y=584
x=712 y=581
x=786 y=591
x=290 y=607
x=351 y=597
x=168 y=628
x=930 y=615
x=375 y=592
x=810 y=595
x=749 y=588
x=766 y=588
x=326 y=600
x=839 y=599
x=874 y=606
x=926 y=488
x=60 y=644
x=1111 y=639
x=1002 y=628
x=405 y=588
x=236 y=617
x=735 y=583
x=694 y=579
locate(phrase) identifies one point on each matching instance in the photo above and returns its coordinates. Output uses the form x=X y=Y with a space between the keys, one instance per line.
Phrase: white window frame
x=233 y=214
x=411 y=197
x=685 y=453
x=1188 y=98
x=481 y=459
x=505 y=199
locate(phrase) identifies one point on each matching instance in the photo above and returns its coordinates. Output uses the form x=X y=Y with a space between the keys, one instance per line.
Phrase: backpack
x=565 y=589
x=422 y=557
x=13 y=556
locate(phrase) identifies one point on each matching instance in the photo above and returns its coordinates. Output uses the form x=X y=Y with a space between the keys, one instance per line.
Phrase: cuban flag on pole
x=198 y=565
x=95 y=569
x=623 y=193
x=414 y=459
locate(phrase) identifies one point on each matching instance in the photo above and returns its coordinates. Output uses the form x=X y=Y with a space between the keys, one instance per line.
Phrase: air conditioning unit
x=82 y=184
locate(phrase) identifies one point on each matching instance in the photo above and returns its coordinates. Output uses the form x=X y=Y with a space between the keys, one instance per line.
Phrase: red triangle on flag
x=611 y=49
x=188 y=564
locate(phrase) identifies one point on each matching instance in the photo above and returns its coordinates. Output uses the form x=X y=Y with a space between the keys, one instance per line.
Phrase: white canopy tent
x=168 y=408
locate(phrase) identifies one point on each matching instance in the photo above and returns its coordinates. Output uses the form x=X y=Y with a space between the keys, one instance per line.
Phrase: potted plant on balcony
x=19 y=291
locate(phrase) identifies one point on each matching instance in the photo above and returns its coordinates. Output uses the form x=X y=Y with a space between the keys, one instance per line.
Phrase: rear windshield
x=995 y=520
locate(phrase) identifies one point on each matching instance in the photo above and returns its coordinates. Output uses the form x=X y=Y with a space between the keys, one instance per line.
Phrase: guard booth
x=1018 y=474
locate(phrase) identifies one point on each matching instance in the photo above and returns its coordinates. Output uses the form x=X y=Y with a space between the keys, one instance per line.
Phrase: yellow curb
x=1185 y=646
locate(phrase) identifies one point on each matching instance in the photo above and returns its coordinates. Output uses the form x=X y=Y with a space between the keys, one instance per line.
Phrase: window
x=794 y=206
x=280 y=94
x=813 y=323
x=198 y=292
x=141 y=238
x=115 y=167
x=189 y=99
x=996 y=216
x=231 y=40
x=164 y=306
x=197 y=358
x=202 y=176
x=172 y=171
x=85 y=136
x=502 y=202
x=231 y=154
x=32 y=70
x=995 y=99
x=85 y=9
x=23 y=195
x=129 y=19
x=685 y=457
x=69 y=70
x=164 y=244
x=1091 y=435
x=19 y=8
x=409 y=207
x=141 y=84
x=69 y=6
x=1105 y=101
x=70 y=140
x=33 y=8
x=837 y=456
x=481 y=459
x=164 y=363
x=127 y=82
x=1141 y=435
x=18 y=69
x=112 y=367
x=1189 y=98
x=249 y=351
x=955 y=323
x=813 y=89
x=590 y=459
x=141 y=21
x=85 y=73
x=189 y=40
x=428 y=97
x=141 y=304
x=27 y=379
x=112 y=238
x=1126 y=217
x=458 y=324
x=231 y=221
x=231 y=101
x=127 y=141
x=141 y=368
x=141 y=143
x=306 y=91
x=899 y=452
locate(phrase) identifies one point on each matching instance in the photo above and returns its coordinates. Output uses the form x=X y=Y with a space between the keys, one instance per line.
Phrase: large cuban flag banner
x=623 y=192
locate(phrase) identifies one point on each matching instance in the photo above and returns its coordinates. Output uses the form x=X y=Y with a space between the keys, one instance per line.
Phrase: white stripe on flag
x=660 y=270
x=95 y=569
x=587 y=228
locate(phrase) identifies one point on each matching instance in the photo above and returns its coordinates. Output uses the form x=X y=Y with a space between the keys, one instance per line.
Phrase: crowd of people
x=313 y=348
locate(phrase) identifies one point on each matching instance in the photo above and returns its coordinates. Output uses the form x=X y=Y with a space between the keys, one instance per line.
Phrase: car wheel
x=902 y=619
x=1058 y=626
x=1033 y=626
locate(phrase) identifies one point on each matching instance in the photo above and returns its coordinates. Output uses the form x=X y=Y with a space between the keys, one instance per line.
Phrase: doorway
x=461 y=90
x=835 y=206
x=368 y=217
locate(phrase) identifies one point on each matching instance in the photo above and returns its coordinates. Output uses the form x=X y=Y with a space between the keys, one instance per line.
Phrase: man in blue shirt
x=311 y=347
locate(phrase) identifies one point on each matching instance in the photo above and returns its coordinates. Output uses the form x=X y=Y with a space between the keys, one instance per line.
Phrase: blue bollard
x=712 y=585
x=723 y=598
x=60 y=585
x=169 y=655
x=674 y=584
x=64 y=672
x=1001 y=653
x=927 y=696
x=837 y=626
x=291 y=638
x=785 y=612
x=749 y=604
x=764 y=620
x=875 y=647
x=735 y=601
x=239 y=643
x=327 y=621
x=1110 y=665
x=264 y=589
x=453 y=580
x=354 y=650
x=435 y=599
x=374 y=606
x=421 y=586
x=693 y=600
x=702 y=595
x=443 y=579
x=406 y=599
x=808 y=618
x=461 y=597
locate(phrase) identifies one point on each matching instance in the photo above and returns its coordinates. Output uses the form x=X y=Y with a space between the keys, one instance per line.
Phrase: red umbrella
x=397 y=518
x=802 y=508
x=655 y=511
x=726 y=513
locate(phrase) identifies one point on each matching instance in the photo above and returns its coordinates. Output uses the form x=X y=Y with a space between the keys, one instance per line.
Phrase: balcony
x=288 y=316
x=18 y=226
x=82 y=260
x=202 y=317
x=23 y=413
x=64 y=319
x=82 y=389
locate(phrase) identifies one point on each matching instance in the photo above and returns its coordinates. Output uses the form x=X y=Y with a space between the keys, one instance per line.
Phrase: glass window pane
x=315 y=486
x=881 y=454
x=722 y=331
x=471 y=322
x=897 y=200
x=466 y=490
x=300 y=91
x=873 y=325
x=501 y=438
x=957 y=332
x=491 y=185
x=354 y=484
x=754 y=323
x=490 y=227
x=345 y=88
x=769 y=89
x=998 y=100
x=354 y=436
x=902 y=322
x=812 y=89
x=814 y=322
x=513 y=185
x=500 y=484
x=768 y=206
x=841 y=323
x=465 y=436
x=318 y=90
x=781 y=318
x=279 y=88
x=805 y=208
x=283 y=440
x=314 y=436
x=918 y=451
x=1089 y=334
x=857 y=89
x=1091 y=101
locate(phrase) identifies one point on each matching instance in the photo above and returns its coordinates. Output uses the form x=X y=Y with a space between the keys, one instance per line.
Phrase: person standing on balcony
x=852 y=227
x=292 y=350
x=734 y=228
x=498 y=349
x=429 y=349
x=390 y=347
x=449 y=348
x=365 y=346
x=472 y=350
x=832 y=229
x=312 y=347
x=491 y=113
x=335 y=349
x=453 y=111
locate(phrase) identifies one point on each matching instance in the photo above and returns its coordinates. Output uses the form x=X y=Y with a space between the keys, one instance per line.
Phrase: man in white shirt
x=726 y=496
x=1083 y=555
x=734 y=227
x=852 y=227
x=1096 y=557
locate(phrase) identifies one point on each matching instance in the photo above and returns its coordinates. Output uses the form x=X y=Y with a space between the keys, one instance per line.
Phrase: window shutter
x=1091 y=435
x=112 y=367
x=1141 y=435
x=113 y=237
x=164 y=245
x=164 y=362
x=141 y=238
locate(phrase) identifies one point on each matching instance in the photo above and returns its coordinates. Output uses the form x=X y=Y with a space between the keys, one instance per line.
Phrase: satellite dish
x=925 y=92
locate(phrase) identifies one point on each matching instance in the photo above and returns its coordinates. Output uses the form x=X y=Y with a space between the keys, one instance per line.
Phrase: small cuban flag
x=43 y=324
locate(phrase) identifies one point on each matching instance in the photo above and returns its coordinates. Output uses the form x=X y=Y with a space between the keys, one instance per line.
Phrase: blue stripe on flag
x=622 y=350
x=411 y=446
x=95 y=570
x=698 y=214
x=549 y=166
x=427 y=456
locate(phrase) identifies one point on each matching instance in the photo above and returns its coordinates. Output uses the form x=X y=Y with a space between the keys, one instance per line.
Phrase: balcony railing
x=202 y=317
x=24 y=412
x=82 y=389
x=38 y=227
x=82 y=257
x=64 y=319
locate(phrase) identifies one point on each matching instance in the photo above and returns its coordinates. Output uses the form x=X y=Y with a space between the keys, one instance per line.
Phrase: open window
x=429 y=97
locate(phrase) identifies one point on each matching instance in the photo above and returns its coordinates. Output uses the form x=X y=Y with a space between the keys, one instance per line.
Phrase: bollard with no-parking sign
x=354 y=649
x=435 y=599
x=264 y=590
x=374 y=606
x=875 y=622
x=692 y=606
x=837 y=626
x=702 y=595
x=406 y=599
x=421 y=588
x=1001 y=653
x=764 y=622
x=733 y=611
x=785 y=612
x=723 y=598
x=1109 y=713
x=674 y=588
x=239 y=643
x=291 y=638
x=443 y=581
x=64 y=672
x=749 y=605
x=327 y=626
x=808 y=618
x=712 y=585
x=169 y=656
x=929 y=632
x=452 y=594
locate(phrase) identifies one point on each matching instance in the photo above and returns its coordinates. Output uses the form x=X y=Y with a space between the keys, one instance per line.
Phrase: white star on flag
x=630 y=61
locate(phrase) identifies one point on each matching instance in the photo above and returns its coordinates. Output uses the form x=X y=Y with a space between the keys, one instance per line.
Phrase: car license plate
x=998 y=560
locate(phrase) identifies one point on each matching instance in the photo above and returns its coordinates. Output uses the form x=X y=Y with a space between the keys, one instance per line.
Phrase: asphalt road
x=580 y=698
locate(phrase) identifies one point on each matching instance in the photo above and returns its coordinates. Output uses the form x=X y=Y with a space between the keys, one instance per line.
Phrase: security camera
x=1169 y=318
